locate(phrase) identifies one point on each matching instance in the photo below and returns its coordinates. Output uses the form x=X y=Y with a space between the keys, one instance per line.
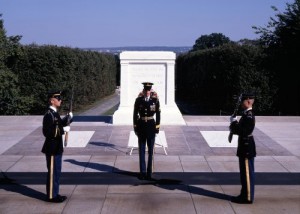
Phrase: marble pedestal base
x=170 y=115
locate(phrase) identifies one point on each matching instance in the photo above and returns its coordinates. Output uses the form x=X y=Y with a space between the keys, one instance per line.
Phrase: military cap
x=147 y=85
x=248 y=95
x=54 y=94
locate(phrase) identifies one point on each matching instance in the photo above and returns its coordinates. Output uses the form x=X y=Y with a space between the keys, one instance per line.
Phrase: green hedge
x=92 y=75
x=207 y=80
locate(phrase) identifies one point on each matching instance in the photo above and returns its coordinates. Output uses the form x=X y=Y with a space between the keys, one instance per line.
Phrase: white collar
x=53 y=108
x=248 y=109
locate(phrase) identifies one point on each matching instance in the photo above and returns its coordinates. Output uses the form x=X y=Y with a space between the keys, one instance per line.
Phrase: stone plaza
x=196 y=175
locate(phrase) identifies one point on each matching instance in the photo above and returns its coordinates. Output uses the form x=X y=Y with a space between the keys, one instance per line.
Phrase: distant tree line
x=216 y=69
x=27 y=73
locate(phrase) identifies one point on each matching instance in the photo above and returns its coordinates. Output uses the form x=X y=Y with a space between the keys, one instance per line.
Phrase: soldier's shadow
x=108 y=145
x=12 y=186
x=164 y=183
x=173 y=184
x=102 y=167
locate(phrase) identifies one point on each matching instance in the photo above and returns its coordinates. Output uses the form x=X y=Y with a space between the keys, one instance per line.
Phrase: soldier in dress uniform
x=145 y=127
x=246 y=150
x=53 y=129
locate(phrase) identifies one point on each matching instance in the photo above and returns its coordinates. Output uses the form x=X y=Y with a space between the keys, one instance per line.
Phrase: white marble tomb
x=148 y=66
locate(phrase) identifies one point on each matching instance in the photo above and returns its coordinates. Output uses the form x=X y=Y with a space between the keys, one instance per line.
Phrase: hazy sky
x=115 y=23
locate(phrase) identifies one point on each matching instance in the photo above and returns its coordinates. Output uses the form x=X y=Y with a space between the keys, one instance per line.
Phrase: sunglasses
x=58 y=97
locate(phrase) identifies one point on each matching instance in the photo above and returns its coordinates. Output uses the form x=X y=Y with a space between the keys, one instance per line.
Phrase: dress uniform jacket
x=244 y=128
x=143 y=121
x=53 y=131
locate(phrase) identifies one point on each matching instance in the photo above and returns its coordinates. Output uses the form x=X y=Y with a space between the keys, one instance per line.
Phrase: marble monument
x=148 y=66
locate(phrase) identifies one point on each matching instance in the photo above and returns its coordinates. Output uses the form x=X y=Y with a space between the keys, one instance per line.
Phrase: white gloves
x=233 y=119
x=71 y=115
x=67 y=128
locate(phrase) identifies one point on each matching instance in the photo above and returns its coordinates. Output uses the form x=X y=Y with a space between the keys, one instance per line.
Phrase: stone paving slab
x=193 y=178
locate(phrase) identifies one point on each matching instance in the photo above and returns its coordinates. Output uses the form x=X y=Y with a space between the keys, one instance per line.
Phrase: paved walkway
x=105 y=105
x=193 y=178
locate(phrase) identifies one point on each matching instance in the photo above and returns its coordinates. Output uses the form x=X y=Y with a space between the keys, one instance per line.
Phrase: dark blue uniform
x=246 y=152
x=53 y=149
x=146 y=127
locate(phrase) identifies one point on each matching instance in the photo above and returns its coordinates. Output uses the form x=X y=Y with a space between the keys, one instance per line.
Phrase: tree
x=281 y=41
x=11 y=100
x=208 y=79
x=210 y=41
x=248 y=42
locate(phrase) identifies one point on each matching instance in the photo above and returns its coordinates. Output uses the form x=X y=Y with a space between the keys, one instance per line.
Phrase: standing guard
x=53 y=129
x=145 y=127
x=246 y=150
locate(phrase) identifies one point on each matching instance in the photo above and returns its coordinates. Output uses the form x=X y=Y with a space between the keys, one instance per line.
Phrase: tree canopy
x=12 y=101
x=209 y=79
x=281 y=42
x=210 y=41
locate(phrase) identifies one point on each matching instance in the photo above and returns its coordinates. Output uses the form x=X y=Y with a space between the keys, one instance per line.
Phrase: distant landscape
x=117 y=50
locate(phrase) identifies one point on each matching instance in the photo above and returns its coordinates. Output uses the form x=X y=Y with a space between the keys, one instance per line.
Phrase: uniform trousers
x=247 y=178
x=54 y=163
x=142 y=147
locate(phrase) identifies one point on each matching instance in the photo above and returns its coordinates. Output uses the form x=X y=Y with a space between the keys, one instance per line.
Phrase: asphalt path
x=105 y=105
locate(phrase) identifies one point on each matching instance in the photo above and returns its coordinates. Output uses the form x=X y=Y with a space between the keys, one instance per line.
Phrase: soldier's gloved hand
x=135 y=131
x=156 y=131
x=71 y=115
x=233 y=119
x=67 y=128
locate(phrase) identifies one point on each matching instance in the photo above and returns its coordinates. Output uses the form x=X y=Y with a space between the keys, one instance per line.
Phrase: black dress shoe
x=149 y=177
x=240 y=200
x=142 y=176
x=58 y=199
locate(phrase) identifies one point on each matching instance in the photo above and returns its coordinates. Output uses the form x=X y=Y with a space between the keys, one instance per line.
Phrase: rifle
x=69 y=117
x=237 y=105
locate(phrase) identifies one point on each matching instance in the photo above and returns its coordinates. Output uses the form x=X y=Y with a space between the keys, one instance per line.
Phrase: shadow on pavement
x=11 y=185
x=102 y=168
x=109 y=145
x=105 y=119
x=164 y=183
x=109 y=175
